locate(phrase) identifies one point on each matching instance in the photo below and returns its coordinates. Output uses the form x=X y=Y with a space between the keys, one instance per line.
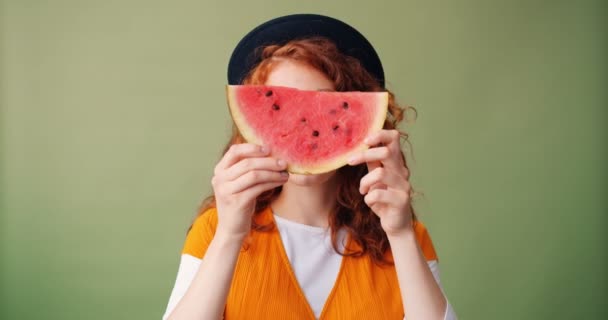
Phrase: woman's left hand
x=386 y=186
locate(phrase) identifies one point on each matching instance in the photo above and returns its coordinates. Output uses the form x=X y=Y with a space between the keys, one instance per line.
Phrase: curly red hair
x=351 y=211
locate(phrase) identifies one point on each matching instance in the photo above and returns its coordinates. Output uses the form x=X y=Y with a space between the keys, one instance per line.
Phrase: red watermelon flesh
x=313 y=131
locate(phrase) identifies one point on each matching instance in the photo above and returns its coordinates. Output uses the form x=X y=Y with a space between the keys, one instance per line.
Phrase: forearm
x=421 y=295
x=206 y=296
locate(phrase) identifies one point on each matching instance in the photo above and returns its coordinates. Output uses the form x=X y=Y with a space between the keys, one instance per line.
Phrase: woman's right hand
x=243 y=173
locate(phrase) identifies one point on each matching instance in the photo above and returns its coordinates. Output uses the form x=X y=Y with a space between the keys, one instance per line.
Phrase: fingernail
x=264 y=149
x=281 y=163
x=367 y=140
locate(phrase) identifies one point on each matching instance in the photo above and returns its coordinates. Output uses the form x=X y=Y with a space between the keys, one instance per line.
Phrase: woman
x=339 y=245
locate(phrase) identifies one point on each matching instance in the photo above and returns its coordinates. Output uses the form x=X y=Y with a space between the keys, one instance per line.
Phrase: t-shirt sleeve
x=425 y=242
x=200 y=235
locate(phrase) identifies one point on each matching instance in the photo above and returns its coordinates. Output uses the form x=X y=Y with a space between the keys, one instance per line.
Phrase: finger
x=380 y=155
x=378 y=186
x=373 y=165
x=249 y=164
x=390 y=197
x=258 y=189
x=240 y=151
x=378 y=178
x=255 y=177
x=389 y=138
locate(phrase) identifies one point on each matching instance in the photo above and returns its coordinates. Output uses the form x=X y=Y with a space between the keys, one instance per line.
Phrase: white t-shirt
x=313 y=260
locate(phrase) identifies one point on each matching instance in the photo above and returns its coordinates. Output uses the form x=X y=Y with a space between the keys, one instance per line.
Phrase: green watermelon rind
x=321 y=167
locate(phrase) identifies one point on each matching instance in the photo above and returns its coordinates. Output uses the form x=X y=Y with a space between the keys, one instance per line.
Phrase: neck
x=308 y=205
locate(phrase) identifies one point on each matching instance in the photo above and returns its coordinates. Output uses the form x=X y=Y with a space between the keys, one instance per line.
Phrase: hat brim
x=298 y=26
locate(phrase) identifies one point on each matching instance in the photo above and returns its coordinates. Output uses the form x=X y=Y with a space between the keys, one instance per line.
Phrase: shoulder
x=424 y=241
x=201 y=233
x=205 y=219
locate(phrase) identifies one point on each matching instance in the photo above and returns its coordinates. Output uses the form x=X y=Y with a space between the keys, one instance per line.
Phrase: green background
x=113 y=115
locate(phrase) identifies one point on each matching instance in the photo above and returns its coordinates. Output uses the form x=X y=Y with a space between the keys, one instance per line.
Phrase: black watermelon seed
x=345 y=105
x=336 y=127
x=303 y=120
x=315 y=133
x=275 y=106
x=268 y=93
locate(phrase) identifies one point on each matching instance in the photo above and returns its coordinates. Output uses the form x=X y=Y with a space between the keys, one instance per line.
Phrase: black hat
x=284 y=29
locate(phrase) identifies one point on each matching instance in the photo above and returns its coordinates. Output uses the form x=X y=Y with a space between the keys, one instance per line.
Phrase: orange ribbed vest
x=265 y=287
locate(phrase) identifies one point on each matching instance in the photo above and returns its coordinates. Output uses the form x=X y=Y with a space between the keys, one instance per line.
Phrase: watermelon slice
x=313 y=131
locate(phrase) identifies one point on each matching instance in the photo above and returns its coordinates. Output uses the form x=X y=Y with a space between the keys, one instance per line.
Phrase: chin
x=310 y=179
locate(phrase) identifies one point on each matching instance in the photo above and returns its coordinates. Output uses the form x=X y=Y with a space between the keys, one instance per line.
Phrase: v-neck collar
x=269 y=216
